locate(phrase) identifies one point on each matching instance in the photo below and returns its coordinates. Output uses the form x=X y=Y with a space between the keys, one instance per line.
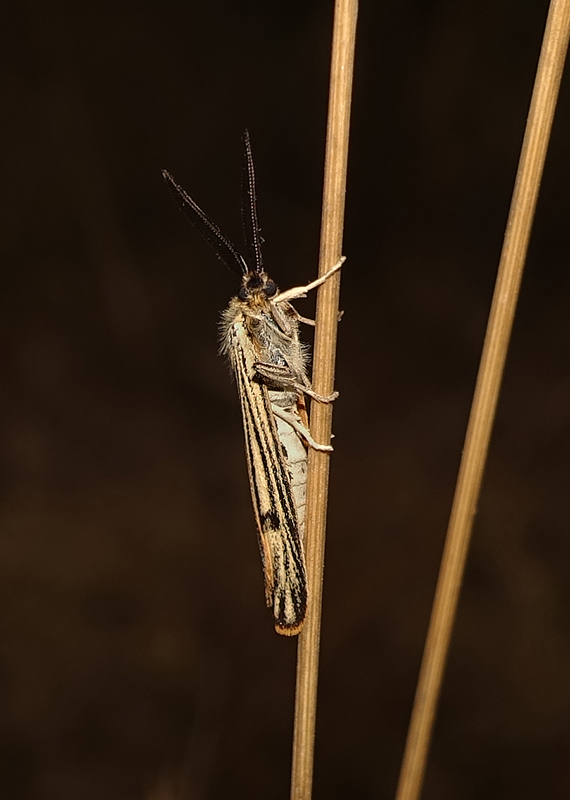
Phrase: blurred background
x=137 y=659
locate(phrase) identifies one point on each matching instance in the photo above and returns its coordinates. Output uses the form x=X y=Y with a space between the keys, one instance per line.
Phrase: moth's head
x=257 y=286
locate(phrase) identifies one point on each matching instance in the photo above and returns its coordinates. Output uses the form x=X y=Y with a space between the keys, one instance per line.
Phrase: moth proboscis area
x=259 y=334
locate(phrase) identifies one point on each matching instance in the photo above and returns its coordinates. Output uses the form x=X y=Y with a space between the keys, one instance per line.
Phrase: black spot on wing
x=270 y=521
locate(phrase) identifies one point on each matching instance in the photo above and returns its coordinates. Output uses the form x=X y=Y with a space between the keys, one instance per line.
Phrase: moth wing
x=270 y=481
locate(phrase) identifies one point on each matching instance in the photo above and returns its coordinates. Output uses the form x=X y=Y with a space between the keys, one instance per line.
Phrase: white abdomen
x=296 y=452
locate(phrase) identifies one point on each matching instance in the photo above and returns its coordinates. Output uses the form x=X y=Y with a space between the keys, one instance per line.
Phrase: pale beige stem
x=344 y=35
x=515 y=246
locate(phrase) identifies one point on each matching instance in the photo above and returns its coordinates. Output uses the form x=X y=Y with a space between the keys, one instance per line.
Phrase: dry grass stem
x=344 y=35
x=515 y=245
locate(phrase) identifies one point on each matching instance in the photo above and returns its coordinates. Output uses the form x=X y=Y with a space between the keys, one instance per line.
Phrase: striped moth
x=259 y=334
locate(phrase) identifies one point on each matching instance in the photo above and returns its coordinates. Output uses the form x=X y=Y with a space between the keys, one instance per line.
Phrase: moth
x=259 y=334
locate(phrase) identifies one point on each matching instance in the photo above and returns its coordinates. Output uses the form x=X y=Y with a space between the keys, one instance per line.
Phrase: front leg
x=301 y=291
x=282 y=378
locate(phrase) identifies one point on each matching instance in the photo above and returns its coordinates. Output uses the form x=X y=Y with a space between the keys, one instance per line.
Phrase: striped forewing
x=270 y=480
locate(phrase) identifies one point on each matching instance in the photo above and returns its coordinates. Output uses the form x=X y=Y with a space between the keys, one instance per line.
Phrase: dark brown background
x=136 y=657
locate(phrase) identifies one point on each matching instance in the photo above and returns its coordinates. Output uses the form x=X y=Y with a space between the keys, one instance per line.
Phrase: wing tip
x=289 y=630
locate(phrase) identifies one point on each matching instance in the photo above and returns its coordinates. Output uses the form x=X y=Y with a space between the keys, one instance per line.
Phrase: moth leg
x=278 y=374
x=300 y=428
x=282 y=377
x=319 y=398
x=301 y=291
x=299 y=318
x=312 y=322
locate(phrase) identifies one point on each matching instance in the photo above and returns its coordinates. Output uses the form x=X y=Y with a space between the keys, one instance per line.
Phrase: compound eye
x=269 y=289
x=243 y=293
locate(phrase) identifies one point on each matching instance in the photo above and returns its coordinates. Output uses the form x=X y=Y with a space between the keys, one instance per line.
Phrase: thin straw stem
x=499 y=327
x=344 y=36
